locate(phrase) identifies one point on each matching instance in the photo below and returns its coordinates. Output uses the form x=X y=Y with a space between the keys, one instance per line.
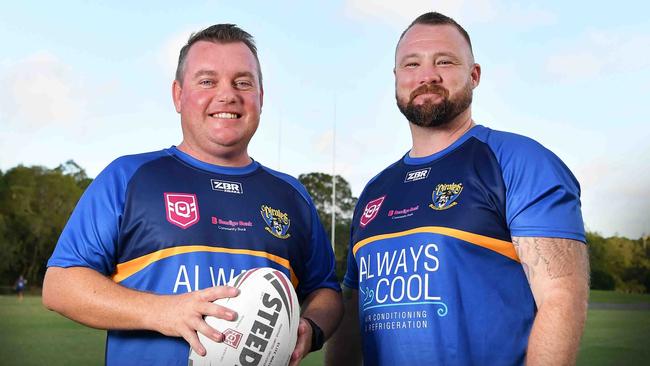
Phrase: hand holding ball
x=266 y=330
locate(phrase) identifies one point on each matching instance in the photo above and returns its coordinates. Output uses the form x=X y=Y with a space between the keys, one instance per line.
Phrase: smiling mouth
x=225 y=115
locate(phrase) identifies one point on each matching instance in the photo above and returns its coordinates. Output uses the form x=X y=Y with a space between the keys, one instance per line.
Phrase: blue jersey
x=166 y=223
x=439 y=280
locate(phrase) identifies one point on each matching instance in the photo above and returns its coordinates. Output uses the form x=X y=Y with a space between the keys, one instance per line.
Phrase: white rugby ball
x=266 y=329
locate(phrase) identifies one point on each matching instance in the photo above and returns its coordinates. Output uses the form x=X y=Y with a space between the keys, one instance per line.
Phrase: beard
x=430 y=114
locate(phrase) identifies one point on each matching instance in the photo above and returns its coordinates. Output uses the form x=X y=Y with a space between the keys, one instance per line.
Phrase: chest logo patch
x=277 y=222
x=371 y=210
x=226 y=186
x=182 y=209
x=415 y=175
x=445 y=195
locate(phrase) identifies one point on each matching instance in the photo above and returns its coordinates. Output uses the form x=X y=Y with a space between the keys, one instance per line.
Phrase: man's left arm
x=558 y=274
x=325 y=308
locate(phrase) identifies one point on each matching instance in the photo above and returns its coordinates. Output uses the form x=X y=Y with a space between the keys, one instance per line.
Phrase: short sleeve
x=89 y=239
x=542 y=195
x=351 y=278
x=321 y=263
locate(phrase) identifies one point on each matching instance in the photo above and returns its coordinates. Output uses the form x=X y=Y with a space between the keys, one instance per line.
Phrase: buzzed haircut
x=434 y=18
x=218 y=33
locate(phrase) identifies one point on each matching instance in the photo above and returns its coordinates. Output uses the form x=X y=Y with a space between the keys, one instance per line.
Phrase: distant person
x=156 y=236
x=486 y=264
x=20 y=285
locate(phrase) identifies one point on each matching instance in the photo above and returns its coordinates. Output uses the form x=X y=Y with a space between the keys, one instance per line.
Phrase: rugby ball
x=266 y=329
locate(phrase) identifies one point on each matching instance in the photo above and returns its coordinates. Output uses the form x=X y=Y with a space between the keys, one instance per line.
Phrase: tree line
x=35 y=203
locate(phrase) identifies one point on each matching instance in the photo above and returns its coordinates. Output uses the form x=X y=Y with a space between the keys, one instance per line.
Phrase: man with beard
x=489 y=266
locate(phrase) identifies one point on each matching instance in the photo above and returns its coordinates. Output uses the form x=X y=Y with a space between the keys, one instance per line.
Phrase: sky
x=91 y=81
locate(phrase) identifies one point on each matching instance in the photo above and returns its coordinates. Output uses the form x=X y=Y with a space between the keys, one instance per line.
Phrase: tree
x=35 y=203
x=319 y=186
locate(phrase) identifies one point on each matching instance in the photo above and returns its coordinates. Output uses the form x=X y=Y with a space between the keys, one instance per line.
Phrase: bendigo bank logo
x=444 y=196
x=182 y=209
x=371 y=210
x=277 y=222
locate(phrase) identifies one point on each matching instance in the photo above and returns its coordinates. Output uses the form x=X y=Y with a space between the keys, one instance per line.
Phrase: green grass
x=616 y=337
x=31 y=335
x=618 y=297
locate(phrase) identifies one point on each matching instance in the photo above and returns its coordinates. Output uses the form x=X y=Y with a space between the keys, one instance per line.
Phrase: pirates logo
x=444 y=196
x=277 y=222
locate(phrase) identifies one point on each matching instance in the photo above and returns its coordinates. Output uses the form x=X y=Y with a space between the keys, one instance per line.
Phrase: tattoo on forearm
x=557 y=257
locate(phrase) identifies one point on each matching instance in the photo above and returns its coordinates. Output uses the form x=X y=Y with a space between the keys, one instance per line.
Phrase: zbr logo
x=182 y=209
x=371 y=211
x=414 y=175
x=444 y=196
x=226 y=186
x=277 y=222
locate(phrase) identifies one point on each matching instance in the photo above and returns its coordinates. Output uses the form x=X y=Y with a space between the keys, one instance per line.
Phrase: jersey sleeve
x=351 y=278
x=318 y=268
x=542 y=195
x=89 y=239
x=321 y=263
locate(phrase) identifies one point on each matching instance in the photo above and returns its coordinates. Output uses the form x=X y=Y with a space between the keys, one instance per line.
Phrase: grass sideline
x=31 y=335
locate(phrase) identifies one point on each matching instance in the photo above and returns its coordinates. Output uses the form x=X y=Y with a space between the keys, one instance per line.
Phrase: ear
x=261 y=98
x=476 y=75
x=176 y=95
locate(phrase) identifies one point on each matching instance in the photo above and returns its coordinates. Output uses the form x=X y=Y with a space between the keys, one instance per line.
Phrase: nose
x=430 y=75
x=225 y=93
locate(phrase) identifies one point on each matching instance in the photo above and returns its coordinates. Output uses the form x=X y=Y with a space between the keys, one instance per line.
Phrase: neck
x=430 y=140
x=219 y=157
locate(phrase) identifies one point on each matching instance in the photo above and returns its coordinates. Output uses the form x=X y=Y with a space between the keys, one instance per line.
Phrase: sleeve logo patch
x=444 y=196
x=371 y=210
x=182 y=209
x=277 y=222
x=415 y=175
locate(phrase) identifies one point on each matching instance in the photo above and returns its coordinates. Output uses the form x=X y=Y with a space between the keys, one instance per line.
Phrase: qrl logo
x=182 y=209
x=371 y=211
x=232 y=338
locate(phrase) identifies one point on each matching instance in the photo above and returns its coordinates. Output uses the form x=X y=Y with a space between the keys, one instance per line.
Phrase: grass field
x=31 y=335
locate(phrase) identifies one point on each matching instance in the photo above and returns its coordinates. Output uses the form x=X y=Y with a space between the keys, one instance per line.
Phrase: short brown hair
x=434 y=18
x=218 y=33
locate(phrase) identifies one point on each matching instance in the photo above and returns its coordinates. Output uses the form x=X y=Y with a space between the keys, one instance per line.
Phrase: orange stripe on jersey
x=502 y=247
x=129 y=268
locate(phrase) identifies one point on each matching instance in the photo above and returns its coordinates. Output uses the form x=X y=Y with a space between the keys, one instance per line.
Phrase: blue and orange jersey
x=166 y=223
x=431 y=252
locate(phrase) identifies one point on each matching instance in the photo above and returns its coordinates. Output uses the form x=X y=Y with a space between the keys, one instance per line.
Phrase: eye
x=411 y=65
x=243 y=84
x=444 y=62
x=206 y=83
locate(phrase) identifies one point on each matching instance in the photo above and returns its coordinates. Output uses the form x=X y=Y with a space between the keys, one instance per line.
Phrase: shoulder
x=510 y=145
x=518 y=153
x=119 y=172
x=375 y=182
x=290 y=181
x=125 y=166
x=131 y=163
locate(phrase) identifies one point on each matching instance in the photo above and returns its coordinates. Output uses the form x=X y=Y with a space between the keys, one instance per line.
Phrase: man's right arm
x=88 y=297
x=344 y=347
